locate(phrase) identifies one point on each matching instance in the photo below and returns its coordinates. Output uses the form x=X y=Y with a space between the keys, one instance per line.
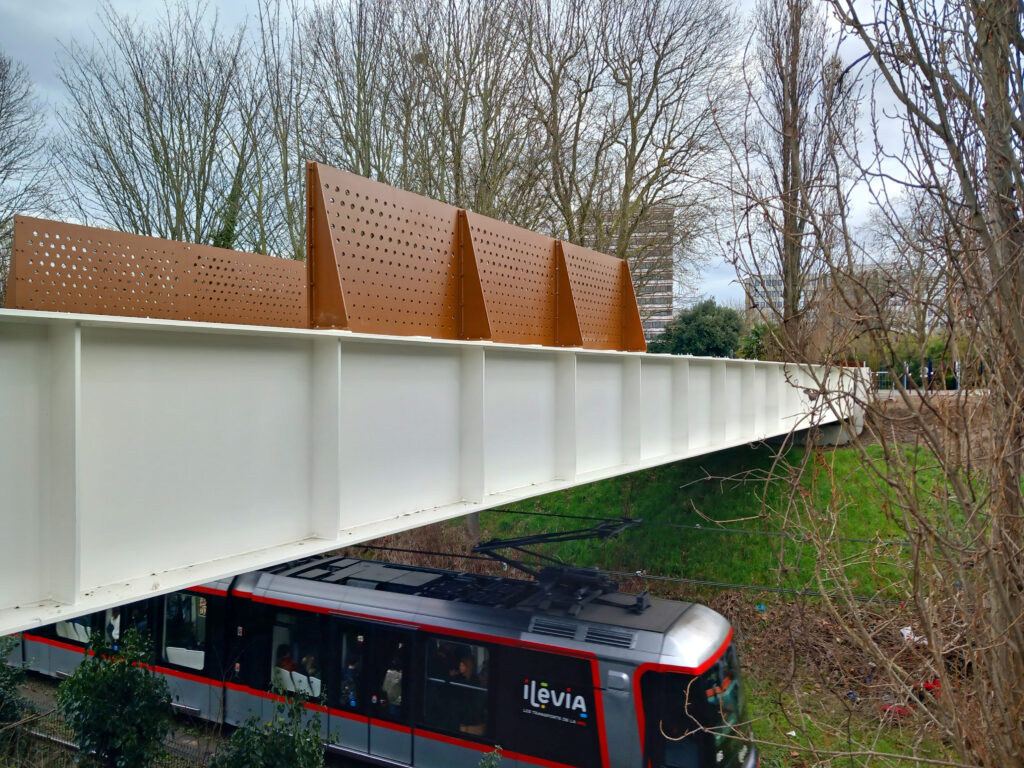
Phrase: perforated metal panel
x=387 y=261
x=380 y=261
x=517 y=277
x=604 y=299
x=395 y=255
x=71 y=268
x=236 y=287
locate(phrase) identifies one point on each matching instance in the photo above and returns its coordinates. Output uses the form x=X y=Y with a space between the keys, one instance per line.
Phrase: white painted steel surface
x=141 y=456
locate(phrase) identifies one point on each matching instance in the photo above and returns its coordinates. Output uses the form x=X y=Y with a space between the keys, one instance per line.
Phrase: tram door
x=371 y=708
x=390 y=701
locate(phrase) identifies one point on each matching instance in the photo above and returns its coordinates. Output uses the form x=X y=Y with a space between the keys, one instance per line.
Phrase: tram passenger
x=471 y=704
x=311 y=665
x=285 y=660
x=114 y=625
x=467 y=671
x=391 y=687
x=139 y=620
x=443 y=662
x=350 y=682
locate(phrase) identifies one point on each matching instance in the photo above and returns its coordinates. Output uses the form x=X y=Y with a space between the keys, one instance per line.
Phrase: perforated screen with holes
x=517 y=275
x=70 y=268
x=396 y=256
x=596 y=281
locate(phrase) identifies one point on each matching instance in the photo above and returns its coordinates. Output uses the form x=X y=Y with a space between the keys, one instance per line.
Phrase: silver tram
x=409 y=666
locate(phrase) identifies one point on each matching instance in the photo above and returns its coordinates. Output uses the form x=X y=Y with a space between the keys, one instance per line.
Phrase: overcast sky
x=32 y=31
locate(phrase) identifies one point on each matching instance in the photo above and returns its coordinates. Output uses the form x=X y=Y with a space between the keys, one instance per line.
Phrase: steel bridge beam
x=141 y=456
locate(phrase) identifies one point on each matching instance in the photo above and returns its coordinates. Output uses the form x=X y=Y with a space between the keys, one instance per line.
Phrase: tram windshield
x=696 y=720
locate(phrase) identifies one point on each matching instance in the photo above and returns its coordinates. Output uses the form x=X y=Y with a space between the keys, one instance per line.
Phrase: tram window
x=112 y=625
x=692 y=717
x=352 y=656
x=675 y=731
x=76 y=630
x=184 y=637
x=455 y=692
x=721 y=686
x=390 y=698
x=296 y=659
x=136 y=616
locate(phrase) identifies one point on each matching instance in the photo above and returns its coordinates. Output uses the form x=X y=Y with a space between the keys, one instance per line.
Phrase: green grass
x=739 y=513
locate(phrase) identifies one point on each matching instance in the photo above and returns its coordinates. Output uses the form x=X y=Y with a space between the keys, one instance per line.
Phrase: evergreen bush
x=118 y=708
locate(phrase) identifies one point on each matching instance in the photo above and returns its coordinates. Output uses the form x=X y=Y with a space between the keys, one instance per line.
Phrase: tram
x=411 y=666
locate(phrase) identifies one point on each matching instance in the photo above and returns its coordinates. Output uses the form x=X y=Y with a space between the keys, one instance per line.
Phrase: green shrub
x=284 y=742
x=12 y=705
x=118 y=709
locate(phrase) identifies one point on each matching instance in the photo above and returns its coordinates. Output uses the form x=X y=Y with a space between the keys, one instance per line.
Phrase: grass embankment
x=719 y=519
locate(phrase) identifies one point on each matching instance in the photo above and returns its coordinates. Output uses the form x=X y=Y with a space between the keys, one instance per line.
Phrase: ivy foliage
x=491 y=759
x=12 y=704
x=285 y=742
x=118 y=709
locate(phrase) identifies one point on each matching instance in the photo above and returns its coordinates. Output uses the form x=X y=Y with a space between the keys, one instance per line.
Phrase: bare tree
x=666 y=61
x=280 y=82
x=949 y=75
x=621 y=93
x=570 y=90
x=787 y=177
x=350 y=59
x=153 y=137
x=471 y=59
x=22 y=188
x=907 y=268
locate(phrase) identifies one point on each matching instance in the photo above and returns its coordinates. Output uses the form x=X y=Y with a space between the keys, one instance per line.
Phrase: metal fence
x=45 y=739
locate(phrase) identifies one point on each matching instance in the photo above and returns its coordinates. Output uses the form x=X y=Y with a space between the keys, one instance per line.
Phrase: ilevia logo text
x=545 y=701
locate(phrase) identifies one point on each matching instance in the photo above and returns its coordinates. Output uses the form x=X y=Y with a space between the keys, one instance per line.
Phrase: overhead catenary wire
x=709 y=528
x=642 y=574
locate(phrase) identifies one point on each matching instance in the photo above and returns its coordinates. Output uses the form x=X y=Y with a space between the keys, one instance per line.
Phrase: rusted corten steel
x=387 y=261
x=605 y=302
x=71 y=268
x=380 y=261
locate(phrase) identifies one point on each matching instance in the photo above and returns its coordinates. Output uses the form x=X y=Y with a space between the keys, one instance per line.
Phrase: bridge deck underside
x=141 y=456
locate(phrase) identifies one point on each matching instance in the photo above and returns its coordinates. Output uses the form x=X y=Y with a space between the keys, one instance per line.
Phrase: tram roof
x=480 y=590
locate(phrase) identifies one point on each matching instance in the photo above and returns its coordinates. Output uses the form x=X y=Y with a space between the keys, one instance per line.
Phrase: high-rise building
x=764 y=295
x=652 y=265
x=651 y=257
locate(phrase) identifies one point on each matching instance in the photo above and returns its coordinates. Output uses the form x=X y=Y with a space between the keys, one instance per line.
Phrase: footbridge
x=171 y=414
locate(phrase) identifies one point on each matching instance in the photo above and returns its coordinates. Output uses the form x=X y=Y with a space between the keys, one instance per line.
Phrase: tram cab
x=693 y=715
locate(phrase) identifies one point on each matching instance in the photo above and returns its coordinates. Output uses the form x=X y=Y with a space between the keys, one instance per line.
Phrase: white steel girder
x=141 y=456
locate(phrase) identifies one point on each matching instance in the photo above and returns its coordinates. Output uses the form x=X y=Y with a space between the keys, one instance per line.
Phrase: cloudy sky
x=32 y=32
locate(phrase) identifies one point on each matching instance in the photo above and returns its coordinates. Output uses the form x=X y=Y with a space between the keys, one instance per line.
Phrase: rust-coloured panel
x=326 y=293
x=632 y=328
x=567 y=321
x=71 y=268
x=473 y=323
x=517 y=275
x=605 y=301
x=380 y=261
x=395 y=254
